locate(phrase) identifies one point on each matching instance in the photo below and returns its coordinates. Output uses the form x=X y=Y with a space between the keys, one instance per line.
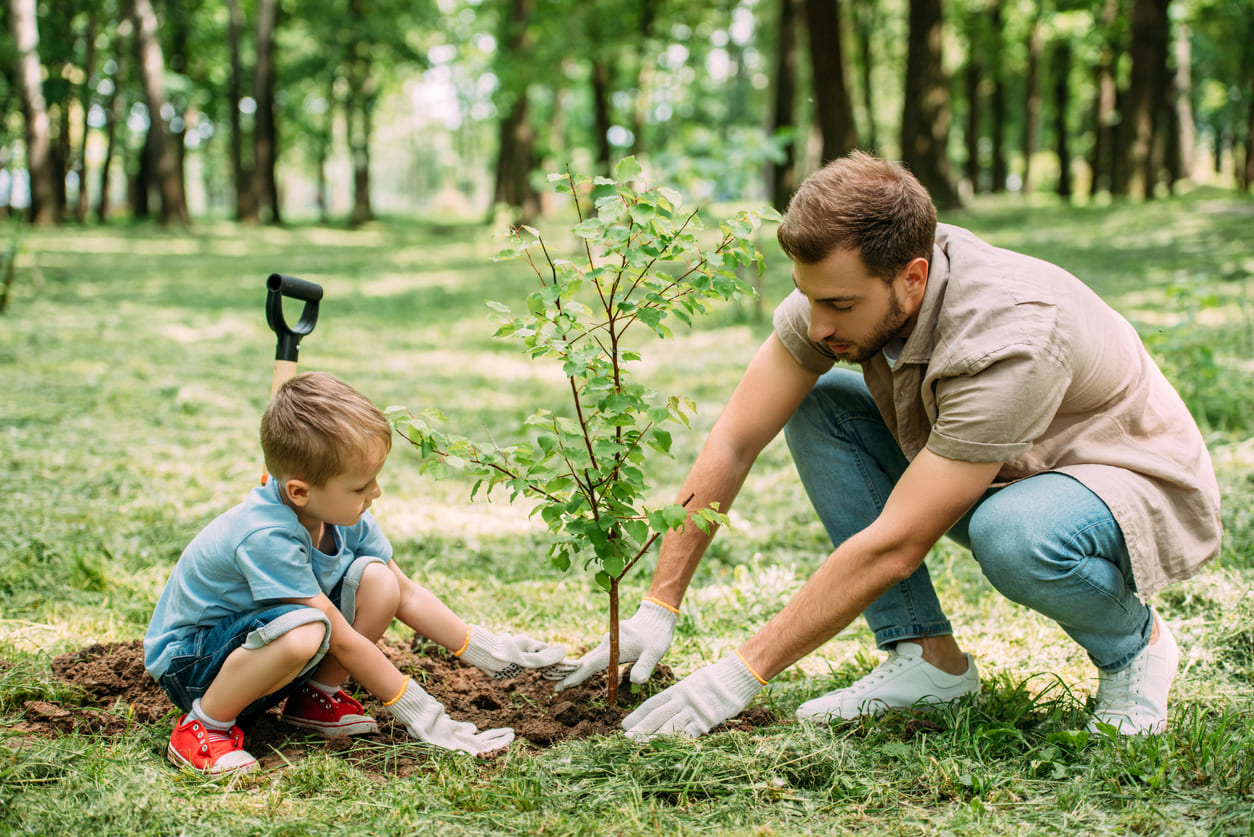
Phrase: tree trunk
x=116 y=115
x=1135 y=174
x=1186 y=130
x=241 y=175
x=85 y=96
x=1032 y=101
x=972 y=76
x=265 y=187
x=831 y=93
x=1061 y=66
x=1101 y=164
x=25 y=28
x=925 y=116
x=782 y=174
x=997 y=119
x=601 y=116
x=152 y=73
x=865 y=22
x=516 y=137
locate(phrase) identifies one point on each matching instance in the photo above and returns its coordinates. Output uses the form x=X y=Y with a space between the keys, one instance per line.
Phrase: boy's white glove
x=505 y=656
x=696 y=704
x=643 y=639
x=426 y=720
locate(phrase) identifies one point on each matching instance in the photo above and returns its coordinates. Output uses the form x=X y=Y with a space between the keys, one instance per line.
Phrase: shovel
x=287 y=346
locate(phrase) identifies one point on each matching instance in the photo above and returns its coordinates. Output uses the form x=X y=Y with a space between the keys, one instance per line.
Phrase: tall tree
x=1060 y=66
x=265 y=187
x=516 y=136
x=24 y=26
x=833 y=106
x=241 y=174
x=1134 y=171
x=1032 y=96
x=782 y=173
x=1105 y=103
x=926 y=115
x=165 y=157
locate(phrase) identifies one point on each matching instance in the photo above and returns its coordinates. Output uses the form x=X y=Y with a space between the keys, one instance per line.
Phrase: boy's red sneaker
x=336 y=714
x=208 y=751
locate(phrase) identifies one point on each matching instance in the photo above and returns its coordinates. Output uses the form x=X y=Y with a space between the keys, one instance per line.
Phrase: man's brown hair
x=314 y=424
x=861 y=203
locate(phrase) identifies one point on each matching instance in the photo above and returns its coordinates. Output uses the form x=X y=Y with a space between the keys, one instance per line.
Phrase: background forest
x=338 y=109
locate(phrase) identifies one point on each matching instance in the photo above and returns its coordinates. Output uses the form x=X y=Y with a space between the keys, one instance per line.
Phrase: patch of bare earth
x=120 y=694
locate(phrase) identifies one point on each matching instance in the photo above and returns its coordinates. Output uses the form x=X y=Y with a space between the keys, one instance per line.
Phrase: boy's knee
x=379 y=589
x=304 y=642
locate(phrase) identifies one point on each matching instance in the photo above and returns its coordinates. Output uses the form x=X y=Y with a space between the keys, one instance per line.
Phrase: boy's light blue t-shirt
x=254 y=555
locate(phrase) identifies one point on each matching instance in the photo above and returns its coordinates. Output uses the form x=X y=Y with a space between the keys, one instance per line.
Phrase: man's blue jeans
x=1045 y=542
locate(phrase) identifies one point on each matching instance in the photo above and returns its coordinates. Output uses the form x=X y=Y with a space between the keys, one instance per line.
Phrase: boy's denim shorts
x=198 y=659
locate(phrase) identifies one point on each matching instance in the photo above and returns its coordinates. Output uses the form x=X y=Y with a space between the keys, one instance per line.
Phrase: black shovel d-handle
x=287 y=347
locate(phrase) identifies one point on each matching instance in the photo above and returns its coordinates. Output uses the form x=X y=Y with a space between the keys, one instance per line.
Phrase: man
x=1001 y=402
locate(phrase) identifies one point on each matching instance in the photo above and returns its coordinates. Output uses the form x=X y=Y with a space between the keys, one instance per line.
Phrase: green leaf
x=627 y=170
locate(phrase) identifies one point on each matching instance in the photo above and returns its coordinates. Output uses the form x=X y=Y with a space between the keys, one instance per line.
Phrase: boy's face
x=344 y=497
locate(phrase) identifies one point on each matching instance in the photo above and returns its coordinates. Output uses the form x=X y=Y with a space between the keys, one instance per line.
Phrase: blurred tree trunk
x=865 y=22
x=1061 y=66
x=1185 y=132
x=115 y=115
x=241 y=175
x=997 y=118
x=782 y=174
x=265 y=186
x=516 y=138
x=1105 y=115
x=601 y=89
x=1135 y=174
x=925 y=116
x=24 y=26
x=84 y=100
x=152 y=73
x=831 y=92
x=1032 y=99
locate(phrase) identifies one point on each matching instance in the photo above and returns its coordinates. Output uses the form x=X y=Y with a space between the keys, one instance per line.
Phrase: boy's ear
x=297 y=492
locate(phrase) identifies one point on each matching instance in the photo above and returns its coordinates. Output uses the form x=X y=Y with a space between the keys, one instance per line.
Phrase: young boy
x=286 y=594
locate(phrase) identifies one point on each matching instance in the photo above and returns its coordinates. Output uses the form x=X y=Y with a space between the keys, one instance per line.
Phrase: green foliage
x=643 y=264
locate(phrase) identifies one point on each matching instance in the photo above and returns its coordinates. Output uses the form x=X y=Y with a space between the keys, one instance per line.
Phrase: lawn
x=135 y=362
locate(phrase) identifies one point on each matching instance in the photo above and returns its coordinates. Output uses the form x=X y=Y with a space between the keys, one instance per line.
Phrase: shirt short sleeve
x=792 y=327
x=995 y=413
x=276 y=565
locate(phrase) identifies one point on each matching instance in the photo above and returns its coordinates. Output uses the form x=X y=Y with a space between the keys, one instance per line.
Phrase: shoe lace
x=883 y=670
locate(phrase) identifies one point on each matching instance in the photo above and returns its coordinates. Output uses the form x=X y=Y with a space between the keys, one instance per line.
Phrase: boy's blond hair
x=314 y=424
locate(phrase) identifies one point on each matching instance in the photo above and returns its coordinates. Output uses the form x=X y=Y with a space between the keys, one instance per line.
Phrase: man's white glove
x=643 y=639
x=505 y=656
x=426 y=720
x=698 y=703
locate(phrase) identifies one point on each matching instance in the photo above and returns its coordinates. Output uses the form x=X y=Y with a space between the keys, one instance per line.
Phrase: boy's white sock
x=210 y=723
x=322 y=687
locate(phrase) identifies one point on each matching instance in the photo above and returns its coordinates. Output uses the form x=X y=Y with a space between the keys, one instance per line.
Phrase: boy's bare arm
x=423 y=611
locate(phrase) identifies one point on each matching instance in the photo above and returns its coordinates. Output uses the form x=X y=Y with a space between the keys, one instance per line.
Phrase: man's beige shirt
x=1014 y=360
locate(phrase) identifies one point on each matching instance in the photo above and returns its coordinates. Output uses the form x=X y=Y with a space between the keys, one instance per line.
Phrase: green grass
x=134 y=364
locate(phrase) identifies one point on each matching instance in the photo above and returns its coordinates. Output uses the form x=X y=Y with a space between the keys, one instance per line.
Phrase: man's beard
x=888 y=329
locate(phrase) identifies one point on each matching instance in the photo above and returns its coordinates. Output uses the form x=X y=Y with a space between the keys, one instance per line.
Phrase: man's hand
x=427 y=721
x=505 y=656
x=696 y=704
x=643 y=639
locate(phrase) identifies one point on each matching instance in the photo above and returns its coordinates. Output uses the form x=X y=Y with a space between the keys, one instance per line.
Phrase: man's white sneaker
x=904 y=680
x=1133 y=700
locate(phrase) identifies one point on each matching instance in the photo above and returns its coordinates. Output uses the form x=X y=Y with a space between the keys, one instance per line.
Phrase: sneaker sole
x=177 y=759
x=332 y=730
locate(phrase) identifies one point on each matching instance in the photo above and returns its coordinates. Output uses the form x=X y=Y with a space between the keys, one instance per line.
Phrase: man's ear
x=916 y=274
x=297 y=492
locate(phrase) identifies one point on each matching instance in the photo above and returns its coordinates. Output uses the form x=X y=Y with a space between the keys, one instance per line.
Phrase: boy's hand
x=643 y=639
x=427 y=721
x=504 y=656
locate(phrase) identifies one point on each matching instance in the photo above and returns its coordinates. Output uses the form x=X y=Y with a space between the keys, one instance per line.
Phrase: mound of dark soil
x=122 y=694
